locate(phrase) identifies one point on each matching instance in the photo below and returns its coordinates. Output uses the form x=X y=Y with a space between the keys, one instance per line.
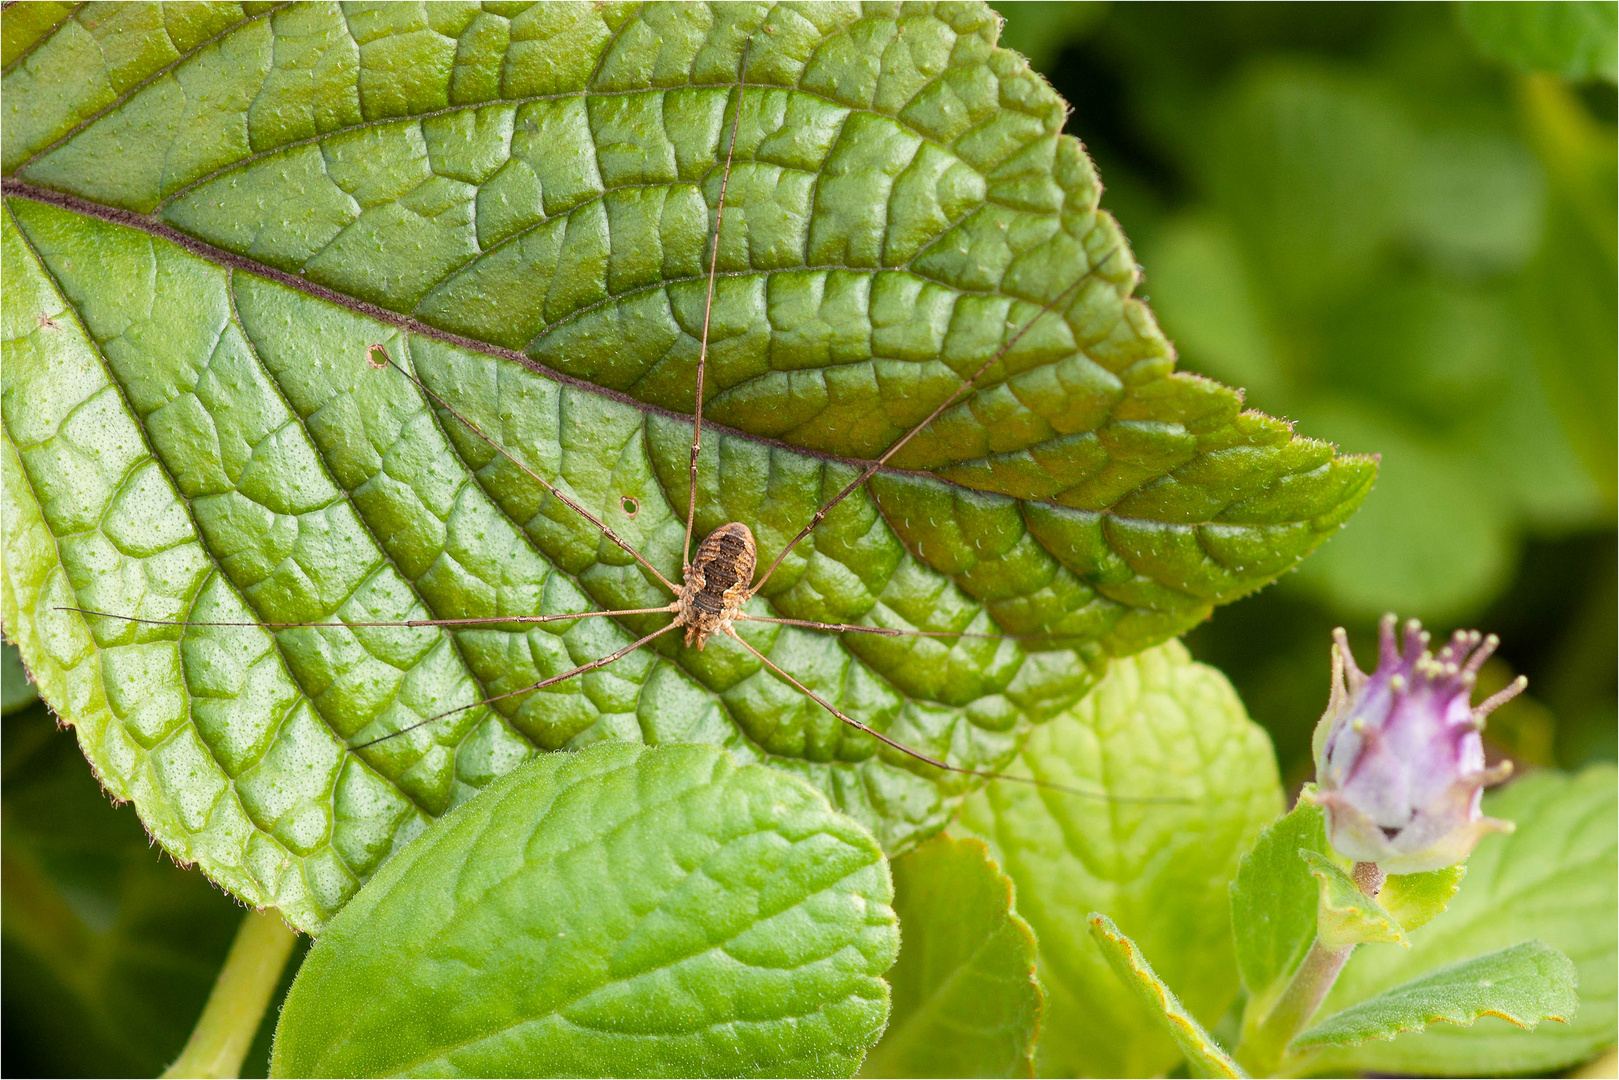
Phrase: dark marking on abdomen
x=726 y=556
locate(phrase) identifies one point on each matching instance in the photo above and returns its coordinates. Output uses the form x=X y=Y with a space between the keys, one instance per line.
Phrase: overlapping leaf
x=1172 y=732
x=966 y=1000
x=212 y=210
x=624 y=911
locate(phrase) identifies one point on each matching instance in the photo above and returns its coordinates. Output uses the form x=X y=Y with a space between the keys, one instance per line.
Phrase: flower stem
x=224 y=1033
x=1265 y=1043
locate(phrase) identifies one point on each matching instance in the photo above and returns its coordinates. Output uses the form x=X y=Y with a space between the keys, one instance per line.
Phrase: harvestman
x=718 y=582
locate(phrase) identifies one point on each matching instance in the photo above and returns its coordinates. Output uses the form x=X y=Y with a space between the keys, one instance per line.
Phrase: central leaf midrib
x=230 y=260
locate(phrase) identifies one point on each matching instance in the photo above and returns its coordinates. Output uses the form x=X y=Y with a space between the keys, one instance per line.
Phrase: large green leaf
x=623 y=911
x=966 y=1000
x=1157 y=726
x=212 y=212
x=1551 y=880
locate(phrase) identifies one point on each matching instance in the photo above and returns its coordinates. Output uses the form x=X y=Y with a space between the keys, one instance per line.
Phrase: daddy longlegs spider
x=720 y=578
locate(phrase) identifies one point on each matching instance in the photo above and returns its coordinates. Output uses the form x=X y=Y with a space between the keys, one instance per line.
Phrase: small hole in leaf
x=630 y=506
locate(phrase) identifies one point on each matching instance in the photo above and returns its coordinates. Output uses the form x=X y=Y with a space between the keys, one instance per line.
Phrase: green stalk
x=1264 y=1044
x=236 y=1005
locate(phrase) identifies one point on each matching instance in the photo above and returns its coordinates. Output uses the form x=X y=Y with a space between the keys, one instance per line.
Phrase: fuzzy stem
x=1265 y=1043
x=224 y=1033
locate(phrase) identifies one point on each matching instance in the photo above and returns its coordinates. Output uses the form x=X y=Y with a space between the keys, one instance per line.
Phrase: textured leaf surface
x=1577 y=40
x=1522 y=984
x=966 y=1000
x=1203 y=1054
x=213 y=211
x=1158 y=725
x=1345 y=915
x=1551 y=880
x=1275 y=904
x=623 y=911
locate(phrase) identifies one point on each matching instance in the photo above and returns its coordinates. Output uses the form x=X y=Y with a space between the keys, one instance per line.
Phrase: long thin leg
x=899 y=444
x=935 y=762
x=541 y=685
x=509 y=456
x=473 y=621
x=708 y=312
x=860 y=628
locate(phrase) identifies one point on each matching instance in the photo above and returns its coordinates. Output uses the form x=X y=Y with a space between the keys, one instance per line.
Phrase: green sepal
x=1203 y=1054
x=1345 y=915
x=1413 y=899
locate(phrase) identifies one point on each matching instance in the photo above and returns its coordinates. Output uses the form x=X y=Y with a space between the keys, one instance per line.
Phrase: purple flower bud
x=1398 y=758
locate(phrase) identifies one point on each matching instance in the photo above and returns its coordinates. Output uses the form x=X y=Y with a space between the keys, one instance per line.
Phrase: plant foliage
x=622 y=911
x=211 y=212
x=966 y=999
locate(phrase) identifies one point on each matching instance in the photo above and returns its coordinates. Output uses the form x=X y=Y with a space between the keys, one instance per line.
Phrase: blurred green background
x=1394 y=224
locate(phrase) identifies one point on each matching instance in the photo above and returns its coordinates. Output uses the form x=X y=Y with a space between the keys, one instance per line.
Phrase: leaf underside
x=212 y=209
x=624 y=911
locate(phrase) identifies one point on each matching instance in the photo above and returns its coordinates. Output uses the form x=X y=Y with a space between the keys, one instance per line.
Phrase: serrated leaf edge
x=1126 y=959
x=1302 y=1041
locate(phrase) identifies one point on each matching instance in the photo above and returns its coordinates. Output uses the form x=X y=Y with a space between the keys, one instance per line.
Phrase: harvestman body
x=718 y=581
x=716 y=586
